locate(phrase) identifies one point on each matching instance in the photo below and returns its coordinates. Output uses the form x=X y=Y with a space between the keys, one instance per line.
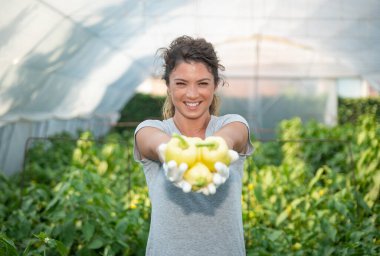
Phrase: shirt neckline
x=207 y=131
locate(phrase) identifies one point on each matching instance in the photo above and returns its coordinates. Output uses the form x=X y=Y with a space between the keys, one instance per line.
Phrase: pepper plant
x=312 y=191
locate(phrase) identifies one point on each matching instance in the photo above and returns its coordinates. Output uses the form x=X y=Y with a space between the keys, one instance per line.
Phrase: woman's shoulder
x=229 y=118
x=149 y=122
x=217 y=122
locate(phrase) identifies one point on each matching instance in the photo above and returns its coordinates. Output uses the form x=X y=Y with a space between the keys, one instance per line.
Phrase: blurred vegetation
x=142 y=106
x=313 y=191
x=320 y=196
x=79 y=197
x=139 y=108
x=350 y=110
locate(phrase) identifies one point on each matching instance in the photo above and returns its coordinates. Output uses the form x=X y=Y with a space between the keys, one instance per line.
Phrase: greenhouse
x=77 y=77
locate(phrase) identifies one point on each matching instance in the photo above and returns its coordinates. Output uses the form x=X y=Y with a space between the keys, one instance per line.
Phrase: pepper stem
x=183 y=143
x=200 y=182
x=212 y=145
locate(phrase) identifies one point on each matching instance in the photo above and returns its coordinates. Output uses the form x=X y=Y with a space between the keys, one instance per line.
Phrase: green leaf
x=356 y=236
x=296 y=202
x=280 y=218
x=7 y=246
x=341 y=208
x=274 y=235
x=58 y=196
x=41 y=236
x=88 y=231
x=328 y=229
x=259 y=193
x=96 y=243
x=316 y=177
x=121 y=226
x=362 y=203
x=61 y=248
x=68 y=233
x=328 y=250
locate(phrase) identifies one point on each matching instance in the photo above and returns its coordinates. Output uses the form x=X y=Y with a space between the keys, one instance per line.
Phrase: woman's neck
x=192 y=127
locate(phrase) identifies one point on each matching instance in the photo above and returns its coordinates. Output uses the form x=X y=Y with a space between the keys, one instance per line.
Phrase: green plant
x=350 y=110
x=92 y=202
x=142 y=106
x=322 y=199
x=313 y=191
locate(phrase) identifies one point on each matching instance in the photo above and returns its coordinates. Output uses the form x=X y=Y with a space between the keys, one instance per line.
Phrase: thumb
x=161 y=149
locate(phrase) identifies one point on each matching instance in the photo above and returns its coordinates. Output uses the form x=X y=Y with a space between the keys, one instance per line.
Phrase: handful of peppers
x=197 y=165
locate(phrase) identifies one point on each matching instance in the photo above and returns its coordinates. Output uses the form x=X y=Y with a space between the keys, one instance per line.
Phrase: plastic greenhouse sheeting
x=68 y=65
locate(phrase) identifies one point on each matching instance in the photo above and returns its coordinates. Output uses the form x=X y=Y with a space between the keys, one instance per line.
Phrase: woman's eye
x=180 y=84
x=204 y=84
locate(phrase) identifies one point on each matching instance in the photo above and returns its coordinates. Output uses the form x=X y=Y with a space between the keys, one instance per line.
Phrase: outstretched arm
x=236 y=136
x=147 y=141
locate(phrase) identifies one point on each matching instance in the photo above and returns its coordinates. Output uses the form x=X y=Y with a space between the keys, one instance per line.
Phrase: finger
x=233 y=155
x=172 y=164
x=186 y=187
x=211 y=188
x=172 y=172
x=181 y=170
x=222 y=169
x=219 y=166
x=183 y=167
x=217 y=179
x=204 y=191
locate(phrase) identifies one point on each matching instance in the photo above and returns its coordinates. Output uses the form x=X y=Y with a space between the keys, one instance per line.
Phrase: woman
x=193 y=223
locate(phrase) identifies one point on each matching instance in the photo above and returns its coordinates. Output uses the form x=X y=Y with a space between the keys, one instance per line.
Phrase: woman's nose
x=192 y=91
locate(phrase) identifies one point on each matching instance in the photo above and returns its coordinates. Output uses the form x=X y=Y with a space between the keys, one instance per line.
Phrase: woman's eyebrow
x=184 y=80
x=204 y=79
x=180 y=79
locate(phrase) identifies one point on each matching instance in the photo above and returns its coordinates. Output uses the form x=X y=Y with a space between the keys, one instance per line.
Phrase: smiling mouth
x=192 y=104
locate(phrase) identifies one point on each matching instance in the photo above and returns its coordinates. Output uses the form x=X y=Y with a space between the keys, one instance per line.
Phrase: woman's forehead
x=193 y=69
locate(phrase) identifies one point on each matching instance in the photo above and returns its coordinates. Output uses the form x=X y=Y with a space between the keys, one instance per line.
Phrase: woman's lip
x=192 y=104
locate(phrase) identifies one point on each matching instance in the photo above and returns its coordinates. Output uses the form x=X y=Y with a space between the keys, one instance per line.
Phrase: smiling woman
x=208 y=222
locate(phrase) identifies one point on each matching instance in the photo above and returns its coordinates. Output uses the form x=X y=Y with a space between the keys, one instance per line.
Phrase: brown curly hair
x=188 y=49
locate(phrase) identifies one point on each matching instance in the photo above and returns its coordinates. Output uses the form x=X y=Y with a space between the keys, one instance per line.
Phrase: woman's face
x=191 y=88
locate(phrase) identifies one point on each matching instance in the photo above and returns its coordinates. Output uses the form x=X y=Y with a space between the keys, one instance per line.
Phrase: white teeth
x=192 y=104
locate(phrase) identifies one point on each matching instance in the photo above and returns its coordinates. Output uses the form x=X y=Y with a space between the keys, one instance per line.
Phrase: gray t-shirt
x=192 y=223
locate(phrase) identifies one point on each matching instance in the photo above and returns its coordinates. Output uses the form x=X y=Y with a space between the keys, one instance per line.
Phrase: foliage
x=141 y=107
x=313 y=191
x=350 y=110
x=94 y=204
x=323 y=197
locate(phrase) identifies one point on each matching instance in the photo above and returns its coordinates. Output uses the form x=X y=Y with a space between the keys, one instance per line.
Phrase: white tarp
x=64 y=61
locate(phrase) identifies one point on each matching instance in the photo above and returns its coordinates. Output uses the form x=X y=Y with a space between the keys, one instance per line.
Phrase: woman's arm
x=236 y=135
x=147 y=141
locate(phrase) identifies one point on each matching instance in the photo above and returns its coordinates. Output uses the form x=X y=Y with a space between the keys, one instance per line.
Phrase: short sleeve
x=230 y=118
x=147 y=123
